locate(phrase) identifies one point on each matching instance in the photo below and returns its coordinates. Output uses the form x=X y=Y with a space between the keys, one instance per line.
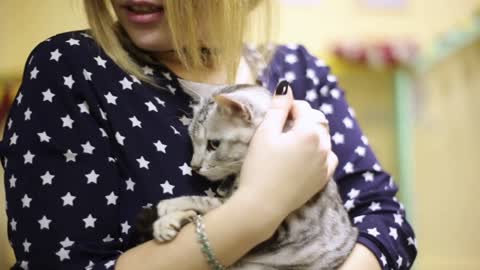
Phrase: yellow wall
x=446 y=124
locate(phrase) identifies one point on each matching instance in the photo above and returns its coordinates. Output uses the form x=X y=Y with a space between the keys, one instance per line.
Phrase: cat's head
x=224 y=121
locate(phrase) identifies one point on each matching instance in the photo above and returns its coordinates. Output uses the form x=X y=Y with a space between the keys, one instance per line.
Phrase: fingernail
x=282 y=88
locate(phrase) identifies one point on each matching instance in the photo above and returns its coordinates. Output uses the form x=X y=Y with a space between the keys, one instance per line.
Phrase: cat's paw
x=166 y=207
x=167 y=226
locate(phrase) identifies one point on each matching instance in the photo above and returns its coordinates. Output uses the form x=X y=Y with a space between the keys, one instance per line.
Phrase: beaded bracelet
x=206 y=249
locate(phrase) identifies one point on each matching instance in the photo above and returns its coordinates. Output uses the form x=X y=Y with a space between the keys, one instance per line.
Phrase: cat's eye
x=212 y=144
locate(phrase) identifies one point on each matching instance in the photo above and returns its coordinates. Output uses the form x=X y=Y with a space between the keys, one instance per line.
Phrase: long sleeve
x=367 y=190
x=61 y=180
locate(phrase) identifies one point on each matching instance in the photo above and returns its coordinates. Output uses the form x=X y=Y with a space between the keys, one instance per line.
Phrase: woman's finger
x=277 y=114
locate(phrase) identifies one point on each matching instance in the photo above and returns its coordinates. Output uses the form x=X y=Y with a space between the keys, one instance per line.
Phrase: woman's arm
x=232 y=229
x=361 y=258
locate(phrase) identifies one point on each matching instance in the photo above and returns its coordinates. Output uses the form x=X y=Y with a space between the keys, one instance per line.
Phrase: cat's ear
x=229 y=105
x=199 y=91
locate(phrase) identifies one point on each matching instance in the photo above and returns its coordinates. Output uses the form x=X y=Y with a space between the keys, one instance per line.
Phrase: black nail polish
x=282 y=88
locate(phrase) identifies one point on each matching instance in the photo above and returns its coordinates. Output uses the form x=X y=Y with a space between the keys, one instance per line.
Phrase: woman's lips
x=143 y=13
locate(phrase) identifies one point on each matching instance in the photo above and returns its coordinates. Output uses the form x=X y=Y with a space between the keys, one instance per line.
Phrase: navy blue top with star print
x=86 y=146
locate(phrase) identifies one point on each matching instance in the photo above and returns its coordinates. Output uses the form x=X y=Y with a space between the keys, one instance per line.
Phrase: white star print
x=67 y=121
x=185 y=120
x=87 y=75
x=368 y=176
x=126 y=84
x=10 y=122
x=348 y=168
x=104 y=134
x=142 y=162
x=13 y=224
x=358 y=219
x=351 y=112
x=374 y=206
x=311 y=95
x=67 y=242
x=84 y=107
x=26 y=246
x=373 y=231
x=398 y=219
x=364 y=140
x=103 y=114
x=291 y=59
x=353 y=193
x=26 y=201
x=24 y=265
x=377 y=167
x=101 y=62
x=125 y=227
x=63 y=254
x=68 y=81
x=44 y=223
x=28 y=114
x=383 y=259
x=73 y=42
x=120 y=138
x=331 y=78
x=338 y=138
x=399 y=261
x=130 y=184
x=167 y=75
x=47 y=178
x=412 y=241
x=109 y=264
x=68 y=199
x=335 y=93
x=19 y=98
x=135 y=79
x=12 y=181
x=92 y=177
x=348 y=123
x=89 y=221
x=111 y=198
x=55 y=55
x=210 y=192
x=13 y=139
x=326 y=108
x=111 y=99
x=70 y=156
x=44 y=137
x=28 y=157
x=160 y=146
x=151 y=106
x=349 y=205
x=393 y=233
x=135 y=122
x=167 y=187
x=34 y=73
x=160 y=102
x=87 y=148
x=175 y=131
x=320 y=63
x=290 y=76
x=107 y=239
x=360 y=150
x=324 y=90
x=171 y=89
x=185 y=169
x=147 y=70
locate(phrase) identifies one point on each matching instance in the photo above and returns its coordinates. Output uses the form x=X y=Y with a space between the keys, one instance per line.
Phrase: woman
x=98 y=132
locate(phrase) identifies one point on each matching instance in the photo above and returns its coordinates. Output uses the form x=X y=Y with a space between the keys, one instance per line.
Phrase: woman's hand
x=283 y=169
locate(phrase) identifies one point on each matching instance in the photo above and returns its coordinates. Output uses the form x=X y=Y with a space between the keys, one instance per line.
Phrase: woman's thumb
x=280 y=106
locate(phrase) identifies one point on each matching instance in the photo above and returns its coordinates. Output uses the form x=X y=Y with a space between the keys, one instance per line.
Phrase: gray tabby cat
x=317 y=236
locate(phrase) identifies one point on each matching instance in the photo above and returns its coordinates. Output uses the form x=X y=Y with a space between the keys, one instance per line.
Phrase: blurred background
x=411 y=71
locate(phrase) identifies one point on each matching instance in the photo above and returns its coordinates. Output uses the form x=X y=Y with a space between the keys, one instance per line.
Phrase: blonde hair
x=224 y=25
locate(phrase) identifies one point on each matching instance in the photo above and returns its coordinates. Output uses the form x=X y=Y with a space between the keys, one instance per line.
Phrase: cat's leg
x=167 y=226
x=199 y=204
x=251 y=266
x=174 y=213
